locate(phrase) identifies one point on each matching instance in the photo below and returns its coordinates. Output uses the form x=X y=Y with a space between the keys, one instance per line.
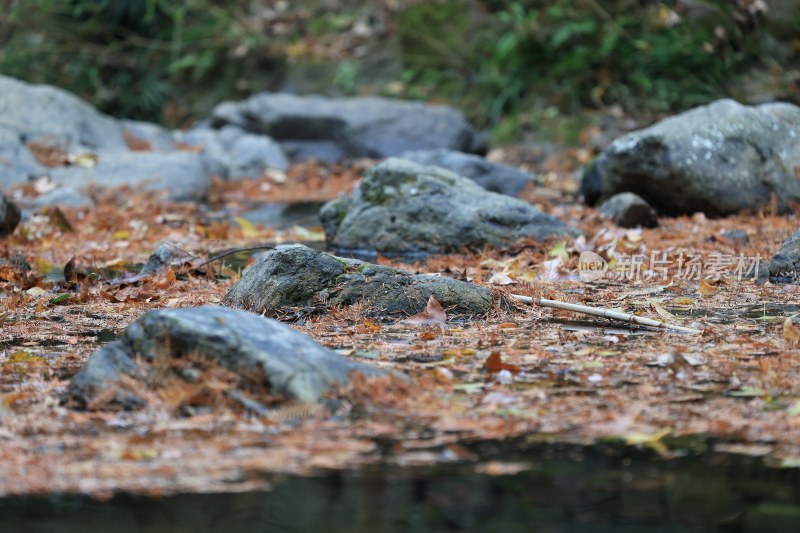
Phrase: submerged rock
x=9 y=215
x=493 y=177
x=718 y=159
x=785 y=264
x=358 y=127
x=265 y=352
x=629 y=210
x=296 y=276
x=403 y=207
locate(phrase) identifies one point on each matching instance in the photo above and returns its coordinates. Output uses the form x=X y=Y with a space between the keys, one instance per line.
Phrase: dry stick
x=605 y=313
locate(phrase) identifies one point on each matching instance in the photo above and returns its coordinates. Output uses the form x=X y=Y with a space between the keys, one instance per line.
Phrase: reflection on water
x=567 y=489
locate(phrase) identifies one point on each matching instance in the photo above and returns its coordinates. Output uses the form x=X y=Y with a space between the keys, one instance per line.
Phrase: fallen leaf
x=433 y=314
x=500 y=278
x=372 y=326
x=494 y=363
x=790 y=333
x=706 y=289
x=559 y=251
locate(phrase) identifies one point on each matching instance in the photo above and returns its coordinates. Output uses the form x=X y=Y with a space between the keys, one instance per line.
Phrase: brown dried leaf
x=434 y=314
x=494 y=363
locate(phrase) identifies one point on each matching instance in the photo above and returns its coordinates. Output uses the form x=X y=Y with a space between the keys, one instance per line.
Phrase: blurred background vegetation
x=509 y=65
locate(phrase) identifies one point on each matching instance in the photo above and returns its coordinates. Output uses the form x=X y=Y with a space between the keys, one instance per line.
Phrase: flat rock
x=493 y=177
x=717 y=159
x=402 y=207
x=66 y=196
x=297 y=278
x=785 y=264
x=629 y=210
x=185 y=175
x=360 y=127
x=261 y=350
x=9 y=215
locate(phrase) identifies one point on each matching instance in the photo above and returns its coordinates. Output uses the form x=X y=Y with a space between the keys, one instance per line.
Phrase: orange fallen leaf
x=434 y=314
x=494 y=363
x=168 y=279
x=507 y=325
x=372 y=326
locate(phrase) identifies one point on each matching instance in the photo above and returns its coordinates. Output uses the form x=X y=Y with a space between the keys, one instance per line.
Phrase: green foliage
x=132 y=58
x=574 y=54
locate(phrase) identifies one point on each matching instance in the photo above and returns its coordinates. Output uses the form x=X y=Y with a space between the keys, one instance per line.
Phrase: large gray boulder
x=403 y=207
x=186 y=175
x=267 y=354
x=718 y=159
x=298 y=280
x=785 y=264
x=41 y=112
x=359 y=127
x=493 y=177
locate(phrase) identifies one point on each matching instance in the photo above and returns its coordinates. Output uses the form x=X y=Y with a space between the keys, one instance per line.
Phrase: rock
x=17 y=164
x=360 y=127
x=296 y=276
x=735 y=235
x=264 y=352
x=402 y=207
x=491 y=176
x=718 y=159
x=208 y=142
x=167 y=254
x=185 y=175
x=41 y=112
x=252 y=155
x=9 y=215
x=234 y=153
x=281 y=215
x=325 y=151
x=785 y=263
x=629 y=210
x=145 y=136
x=66 y=196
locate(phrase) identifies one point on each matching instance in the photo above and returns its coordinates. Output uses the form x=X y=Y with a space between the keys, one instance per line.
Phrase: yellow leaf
x=248 y=228
x=684 y=300
x=653 y=441
x=122 y=235
x=43 y=266
x=559 y=251
x=706 y=289
x=308 y=234
x=36 y=291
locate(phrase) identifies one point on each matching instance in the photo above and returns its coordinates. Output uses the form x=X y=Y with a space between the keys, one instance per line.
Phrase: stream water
x=566 y=488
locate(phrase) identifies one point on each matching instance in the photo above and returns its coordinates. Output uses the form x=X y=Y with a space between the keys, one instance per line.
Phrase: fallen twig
x=605 y=313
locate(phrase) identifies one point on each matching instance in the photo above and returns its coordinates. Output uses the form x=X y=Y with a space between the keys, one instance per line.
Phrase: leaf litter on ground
x=572 y=385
